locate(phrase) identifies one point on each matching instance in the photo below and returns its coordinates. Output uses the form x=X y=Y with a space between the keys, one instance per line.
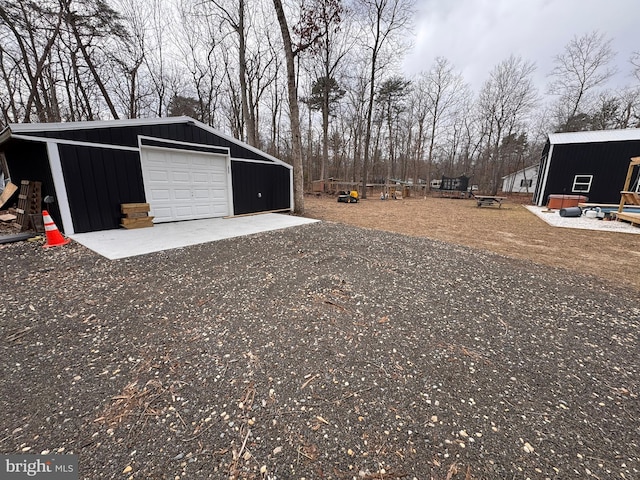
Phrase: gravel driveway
x=317 y=352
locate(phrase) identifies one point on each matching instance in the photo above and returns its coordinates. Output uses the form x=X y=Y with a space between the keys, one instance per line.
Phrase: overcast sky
x=476 y=35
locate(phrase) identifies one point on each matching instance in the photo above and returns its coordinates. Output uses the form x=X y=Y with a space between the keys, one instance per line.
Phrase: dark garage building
x=184 y=169
x=593 y=164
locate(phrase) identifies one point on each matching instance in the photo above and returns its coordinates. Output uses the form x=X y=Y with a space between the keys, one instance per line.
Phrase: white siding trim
x=74 y=142
x=178 y=143
x=545 y=175
x=232 y=207
x=248 y=160
x=93 y=124
x=60 y=187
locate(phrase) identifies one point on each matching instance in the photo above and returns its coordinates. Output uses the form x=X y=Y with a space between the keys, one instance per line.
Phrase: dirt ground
x=510 y=230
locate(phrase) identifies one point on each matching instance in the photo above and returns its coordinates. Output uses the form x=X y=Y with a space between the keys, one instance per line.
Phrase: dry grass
x=511 y=230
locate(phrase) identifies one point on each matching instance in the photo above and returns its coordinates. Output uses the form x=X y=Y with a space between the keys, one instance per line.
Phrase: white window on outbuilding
x=526 y=182
x=582 y=183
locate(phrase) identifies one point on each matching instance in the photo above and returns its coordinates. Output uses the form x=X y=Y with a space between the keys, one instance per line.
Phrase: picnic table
x=489 y=200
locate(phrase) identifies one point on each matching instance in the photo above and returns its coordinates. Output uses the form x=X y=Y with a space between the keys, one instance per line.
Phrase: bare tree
x=294 y=111
x=275 y=96
x=155 y=58
x=91 y=22
x=583 y=66
x=385 y=19
x=391 y=101
x=208 y=63
x=629 y=112
x=418 y=106
x=235 y=16
x=355 y=109
x=325 y=94
x=331 y=49
x=309 y=30
x=261 y=71
x=129 y=58
x=506 y=99
x=23 y=24
x=444 y=90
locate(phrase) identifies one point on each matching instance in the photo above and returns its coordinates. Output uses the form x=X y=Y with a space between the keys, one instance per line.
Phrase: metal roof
x=595 y=136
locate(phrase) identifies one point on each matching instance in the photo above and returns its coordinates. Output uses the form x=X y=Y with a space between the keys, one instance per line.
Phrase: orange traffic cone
x=54 y=237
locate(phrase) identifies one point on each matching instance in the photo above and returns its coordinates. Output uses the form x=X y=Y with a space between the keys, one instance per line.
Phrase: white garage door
x=184 y=185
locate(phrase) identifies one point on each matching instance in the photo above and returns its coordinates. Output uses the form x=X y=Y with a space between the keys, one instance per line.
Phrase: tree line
x=316 y=83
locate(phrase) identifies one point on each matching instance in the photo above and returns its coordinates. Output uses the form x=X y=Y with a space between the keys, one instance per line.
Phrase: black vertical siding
x=259 y=187
x=608 y=162
x=98 y=181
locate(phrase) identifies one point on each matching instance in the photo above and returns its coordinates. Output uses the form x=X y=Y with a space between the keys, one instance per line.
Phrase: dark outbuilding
x=184 y=169
x=592 y=164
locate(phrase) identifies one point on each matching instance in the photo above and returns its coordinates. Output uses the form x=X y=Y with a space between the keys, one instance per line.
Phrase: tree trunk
x=249 y=119
x=372 y=93
x=294 y=112
x=325 y=130
x=367 y=135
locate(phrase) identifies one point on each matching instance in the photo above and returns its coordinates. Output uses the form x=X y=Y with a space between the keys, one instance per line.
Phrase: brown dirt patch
x=511 y=230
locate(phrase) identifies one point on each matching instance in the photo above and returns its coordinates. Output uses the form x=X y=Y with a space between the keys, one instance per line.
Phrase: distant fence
x=331 y=187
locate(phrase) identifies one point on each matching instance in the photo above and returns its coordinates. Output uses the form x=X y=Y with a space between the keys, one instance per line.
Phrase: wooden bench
x=489 y=200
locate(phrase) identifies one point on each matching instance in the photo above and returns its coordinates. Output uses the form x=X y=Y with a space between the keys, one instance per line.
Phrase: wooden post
x=634 y=162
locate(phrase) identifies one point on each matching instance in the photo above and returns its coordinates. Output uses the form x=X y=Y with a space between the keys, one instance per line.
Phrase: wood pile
x=135 y=215
x=29 y=202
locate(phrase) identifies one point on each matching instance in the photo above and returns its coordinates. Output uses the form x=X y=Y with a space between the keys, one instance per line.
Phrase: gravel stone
x=321 y=351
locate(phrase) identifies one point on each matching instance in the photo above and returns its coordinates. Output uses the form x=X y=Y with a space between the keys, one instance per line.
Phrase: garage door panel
x=200 y=161
x=181 y=194
x=218 y=194
x=184 y=185
x=159 y=175
x=219 y=212
x=183 y=211
x=201 y=194
x=203 y=209
x=162 y=212
x=201 y=178
x=180 y=177
x=158 y=194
